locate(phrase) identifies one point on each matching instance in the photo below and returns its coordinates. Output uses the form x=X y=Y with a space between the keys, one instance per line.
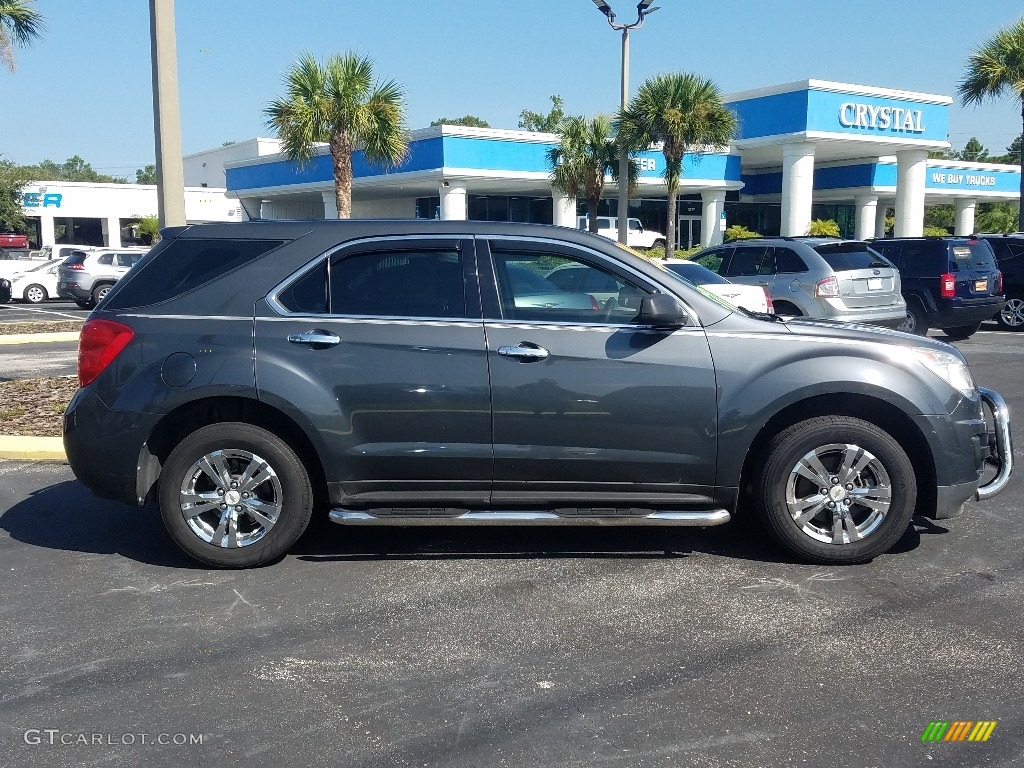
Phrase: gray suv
x=400 y=373
x=815 y=277
x=86 y=276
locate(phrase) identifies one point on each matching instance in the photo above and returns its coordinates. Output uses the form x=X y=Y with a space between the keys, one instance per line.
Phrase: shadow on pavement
x=66 y=516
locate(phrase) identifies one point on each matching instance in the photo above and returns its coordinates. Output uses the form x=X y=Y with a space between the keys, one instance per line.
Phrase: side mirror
x=661 y=311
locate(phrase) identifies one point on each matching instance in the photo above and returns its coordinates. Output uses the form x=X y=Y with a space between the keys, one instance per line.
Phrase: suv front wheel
x=234 y=495
x=836 y=490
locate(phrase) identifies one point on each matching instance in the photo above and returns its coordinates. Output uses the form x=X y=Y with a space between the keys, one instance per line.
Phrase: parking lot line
x=47 y=312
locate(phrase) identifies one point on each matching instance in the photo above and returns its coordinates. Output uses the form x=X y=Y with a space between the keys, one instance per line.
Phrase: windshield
x=843 y=257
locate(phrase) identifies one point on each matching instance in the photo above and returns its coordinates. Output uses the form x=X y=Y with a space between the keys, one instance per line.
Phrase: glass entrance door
x=688 y=232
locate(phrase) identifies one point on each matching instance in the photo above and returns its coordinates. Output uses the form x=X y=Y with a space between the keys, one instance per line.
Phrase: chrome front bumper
x=1002 y=451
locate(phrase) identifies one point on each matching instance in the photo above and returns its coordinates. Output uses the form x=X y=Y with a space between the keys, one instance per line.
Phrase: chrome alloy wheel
x=231 y=498
x=838 y=493
x=1013 y=313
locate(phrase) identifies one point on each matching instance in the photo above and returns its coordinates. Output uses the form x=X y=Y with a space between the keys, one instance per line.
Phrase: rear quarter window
x=183 y=265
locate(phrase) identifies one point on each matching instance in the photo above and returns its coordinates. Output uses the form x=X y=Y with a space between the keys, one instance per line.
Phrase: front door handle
x=315 y=338
x=527 y=353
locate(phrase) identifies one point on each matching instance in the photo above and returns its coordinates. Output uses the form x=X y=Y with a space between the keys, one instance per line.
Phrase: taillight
x=828 y=288
x=593 y=303
x=99 y=343
x=999 y=282
x=74 y=266
x=768 y=301
x=947 y=283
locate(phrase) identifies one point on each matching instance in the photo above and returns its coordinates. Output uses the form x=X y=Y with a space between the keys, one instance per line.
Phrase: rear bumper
x=971 y=314
x=73 y=291
x=888 y=316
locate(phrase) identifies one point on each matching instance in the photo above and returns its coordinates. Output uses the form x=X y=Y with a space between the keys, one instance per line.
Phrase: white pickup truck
x=636 y=235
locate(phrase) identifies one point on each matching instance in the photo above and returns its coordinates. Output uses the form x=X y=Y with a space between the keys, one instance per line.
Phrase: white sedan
x=37 y=284
x=752 y=297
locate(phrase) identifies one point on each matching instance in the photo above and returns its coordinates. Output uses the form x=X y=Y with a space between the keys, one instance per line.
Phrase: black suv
x=1009 y=250
x=426 y=372
x=951 y=283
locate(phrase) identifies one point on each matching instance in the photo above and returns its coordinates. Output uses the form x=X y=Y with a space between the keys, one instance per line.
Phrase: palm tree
x=20 y=25
x=682 y=112
x=995 y=69
x=586 y=153
x=337 y=103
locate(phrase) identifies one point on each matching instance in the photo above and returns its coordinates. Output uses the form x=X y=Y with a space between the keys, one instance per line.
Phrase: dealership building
x=805 y=150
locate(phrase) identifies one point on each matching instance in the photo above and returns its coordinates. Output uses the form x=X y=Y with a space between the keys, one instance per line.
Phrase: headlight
x=950 y=368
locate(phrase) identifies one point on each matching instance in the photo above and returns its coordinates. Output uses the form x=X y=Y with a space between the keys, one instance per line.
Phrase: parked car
x=824 y=278
x=5 y=290
x=86 y=276
x=37 y=284
x=246 y=374
x=13 y=261
x=951 y=283
x=636 y=235
x=1009 y=251
x=752 y=297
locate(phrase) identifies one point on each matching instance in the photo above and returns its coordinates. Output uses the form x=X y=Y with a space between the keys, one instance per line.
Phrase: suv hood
x=866 y=333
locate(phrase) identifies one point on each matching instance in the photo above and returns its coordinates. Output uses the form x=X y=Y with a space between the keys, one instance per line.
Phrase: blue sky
x=86 y=87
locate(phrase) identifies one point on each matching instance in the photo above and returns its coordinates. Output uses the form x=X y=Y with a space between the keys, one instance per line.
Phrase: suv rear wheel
x=234 y=495
x=916 y=321
x=836 y=490
x=962 y=331
x=100 y=292
x=1012 y=316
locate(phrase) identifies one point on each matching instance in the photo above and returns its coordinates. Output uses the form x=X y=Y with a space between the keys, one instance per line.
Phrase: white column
x=563 y=210
x=797 y=188
x=453 y=201
x=866 y=224
x=111 y=232
x=252 y=207
x=46 y=233
x=883 y=206
x=330 y=204
x=911 y=171
x=711 y=231
x=965 y=207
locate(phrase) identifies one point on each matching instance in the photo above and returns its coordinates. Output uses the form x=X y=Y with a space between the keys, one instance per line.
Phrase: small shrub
x=936 y=232
x=823 y=228
x=738 y=232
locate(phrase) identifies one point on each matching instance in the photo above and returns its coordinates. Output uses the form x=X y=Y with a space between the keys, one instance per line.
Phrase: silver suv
x=815 y=277
x=86 y=276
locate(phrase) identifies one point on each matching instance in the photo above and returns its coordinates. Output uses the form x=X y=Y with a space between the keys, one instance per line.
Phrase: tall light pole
x=642 y=10
x=170 y=177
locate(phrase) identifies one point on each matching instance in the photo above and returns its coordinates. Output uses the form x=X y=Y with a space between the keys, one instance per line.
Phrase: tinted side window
x=184 y=264
x=106 y=258
x=920 y=258
x=788 y=261
x=890 y=251
x=526 y=293
x=750 y=260
x=717 y=260
x=308 y=294
x=397 y=283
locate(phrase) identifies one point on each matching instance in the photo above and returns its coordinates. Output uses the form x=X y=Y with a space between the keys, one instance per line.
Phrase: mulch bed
x=35 y=406
x=59 y=326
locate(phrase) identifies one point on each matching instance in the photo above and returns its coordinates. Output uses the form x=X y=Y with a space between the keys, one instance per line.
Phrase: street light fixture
x=643 y=9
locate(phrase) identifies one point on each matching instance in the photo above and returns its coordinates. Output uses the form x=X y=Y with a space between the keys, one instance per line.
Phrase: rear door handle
x=315 y=338
x=525 y=353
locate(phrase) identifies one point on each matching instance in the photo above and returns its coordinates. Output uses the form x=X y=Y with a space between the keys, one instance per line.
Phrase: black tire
x=34 y=294
x=786 y=309
x=99 y=292
x=1012 y=316
x=659 y=243
x=961 y=331
x=284 y=491
x=784 y=495
x=916 y=321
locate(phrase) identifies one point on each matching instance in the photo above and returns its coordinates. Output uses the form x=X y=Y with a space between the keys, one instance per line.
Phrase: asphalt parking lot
x=435 y=647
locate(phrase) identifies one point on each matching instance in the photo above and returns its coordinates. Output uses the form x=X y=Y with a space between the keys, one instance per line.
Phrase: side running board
x=496 y=517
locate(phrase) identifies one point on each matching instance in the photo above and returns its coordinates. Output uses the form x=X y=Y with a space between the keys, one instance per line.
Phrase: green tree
x=146 y=175
x=1012 y=156
x=823 y=228
x=549 y=123
x=148 y=229
x=20 y=25
x=72 y=169
x=12 y=181
x=586 y=153
x=997 y=217
x=339 y=104
x=682 y=112
x=995 y=69
x=941 y=216
x=471 y=120
x=973 y=151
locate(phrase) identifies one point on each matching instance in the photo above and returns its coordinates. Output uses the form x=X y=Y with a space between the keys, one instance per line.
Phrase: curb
x=32 y=448
x=37 y=338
